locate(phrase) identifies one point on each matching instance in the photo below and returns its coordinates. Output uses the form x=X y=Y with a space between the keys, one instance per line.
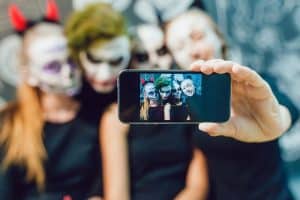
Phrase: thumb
x=218 y=129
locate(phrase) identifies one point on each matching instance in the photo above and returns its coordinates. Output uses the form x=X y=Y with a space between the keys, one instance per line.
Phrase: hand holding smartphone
x=152 y=96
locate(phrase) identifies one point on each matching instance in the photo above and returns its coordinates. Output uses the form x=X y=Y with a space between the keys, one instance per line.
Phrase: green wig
x=95 y=25
x=162 y=82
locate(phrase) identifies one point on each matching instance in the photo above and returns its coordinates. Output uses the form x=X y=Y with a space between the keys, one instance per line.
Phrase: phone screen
x=173 y=97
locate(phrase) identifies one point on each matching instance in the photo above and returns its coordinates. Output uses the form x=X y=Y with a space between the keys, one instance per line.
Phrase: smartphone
x=173 y=96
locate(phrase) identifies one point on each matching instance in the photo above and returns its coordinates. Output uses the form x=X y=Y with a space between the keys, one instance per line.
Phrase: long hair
x=144 y=109
x=21 y=130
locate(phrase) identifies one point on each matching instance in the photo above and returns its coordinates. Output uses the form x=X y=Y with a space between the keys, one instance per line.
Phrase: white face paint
x=188 y=87
x=176 y=90
x=195 y=40
x=103 y=64
x=152 y=52
x=49 y=65
x=150 y=92
x=165 y=92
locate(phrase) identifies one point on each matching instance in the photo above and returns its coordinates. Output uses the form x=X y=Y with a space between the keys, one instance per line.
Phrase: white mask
x=195 y=40
x=103 y=64
x=176 y=90
x=152 y=52
x=49 y=65
x=188 y=87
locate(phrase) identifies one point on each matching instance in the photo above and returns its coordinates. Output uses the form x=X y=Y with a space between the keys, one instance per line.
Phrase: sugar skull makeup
x=196 y=39
x=150 y=92
x=50 y=67
x=102 y=64
x=151 y=51
x=188 y=87
x=176 y=90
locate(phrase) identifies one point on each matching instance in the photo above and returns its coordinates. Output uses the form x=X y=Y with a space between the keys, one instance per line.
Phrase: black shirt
x=159 y=159
x=72 y=166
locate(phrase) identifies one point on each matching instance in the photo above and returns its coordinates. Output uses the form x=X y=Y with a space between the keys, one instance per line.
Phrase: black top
x=159 y=158
x=72 y=165
x=179 y=113
x=251 y=171
x=156 y=113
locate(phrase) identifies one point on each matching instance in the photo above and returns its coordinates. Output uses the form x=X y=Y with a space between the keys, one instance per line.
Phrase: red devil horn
x=152 y=79
x=143 y=81
x=17 y=19
x=52 y=12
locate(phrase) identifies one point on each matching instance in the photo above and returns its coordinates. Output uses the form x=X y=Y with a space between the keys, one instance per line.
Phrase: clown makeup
x=151 y=93
x=165 y=92
x=176 y=90
x=50 y=68
x=188 y=87
x=102 y=64
x=151 y=51
x=196 y=39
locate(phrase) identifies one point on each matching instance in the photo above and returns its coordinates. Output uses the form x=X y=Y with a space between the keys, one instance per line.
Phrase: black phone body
x=173 y=96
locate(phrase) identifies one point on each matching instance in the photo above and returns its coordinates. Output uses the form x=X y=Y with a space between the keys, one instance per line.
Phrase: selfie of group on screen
x=63 y=137
x=165 y=97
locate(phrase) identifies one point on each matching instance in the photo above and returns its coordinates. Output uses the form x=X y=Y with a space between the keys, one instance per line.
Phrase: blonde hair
x=22 y=122
x=144 y=109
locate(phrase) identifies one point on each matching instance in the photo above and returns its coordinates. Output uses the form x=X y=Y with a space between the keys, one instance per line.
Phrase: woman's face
x=50 y=67
x=195 y=40
x=103 y=64
x=150 y=92
x=151 y=51
x=188 y=87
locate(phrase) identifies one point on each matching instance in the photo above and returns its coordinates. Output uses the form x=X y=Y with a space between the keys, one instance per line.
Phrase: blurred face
x=195 y=40
x=49 y=65
x=165 y=92
x=176 y=90
x=103 y=64
x=150 y=92
x=151 y=51
x=188 y=87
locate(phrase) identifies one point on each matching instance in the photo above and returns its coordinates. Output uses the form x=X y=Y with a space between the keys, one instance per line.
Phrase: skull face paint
x=150 y=92
x=102 y=64
x=196 y=39
x=176 y=90
x=151 y=51
x=48 y=61
x=188 y=87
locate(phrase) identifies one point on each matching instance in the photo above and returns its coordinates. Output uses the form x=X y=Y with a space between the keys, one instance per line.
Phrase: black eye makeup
x=92 y=59
x=162 y=51
x=116 y=61
x=141 y=57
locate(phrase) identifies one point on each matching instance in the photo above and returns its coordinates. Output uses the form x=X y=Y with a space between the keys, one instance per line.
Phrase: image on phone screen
x=173 y=96
x=166 y=97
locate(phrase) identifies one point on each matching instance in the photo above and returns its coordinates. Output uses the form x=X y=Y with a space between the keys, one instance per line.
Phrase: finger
x=196 y=66
x=245 y=74
x=217 y=129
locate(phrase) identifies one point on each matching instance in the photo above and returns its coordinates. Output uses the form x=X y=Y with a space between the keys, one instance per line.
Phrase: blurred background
x=264 y=35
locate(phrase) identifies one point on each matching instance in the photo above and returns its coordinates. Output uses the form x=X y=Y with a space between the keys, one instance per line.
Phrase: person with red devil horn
x=43 y=133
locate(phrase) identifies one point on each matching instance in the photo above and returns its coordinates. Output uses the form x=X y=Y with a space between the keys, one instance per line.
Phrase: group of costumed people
x=61 y=137
x=169 y=98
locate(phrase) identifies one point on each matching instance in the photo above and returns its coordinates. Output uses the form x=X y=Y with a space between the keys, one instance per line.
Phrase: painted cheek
x=104 y=73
